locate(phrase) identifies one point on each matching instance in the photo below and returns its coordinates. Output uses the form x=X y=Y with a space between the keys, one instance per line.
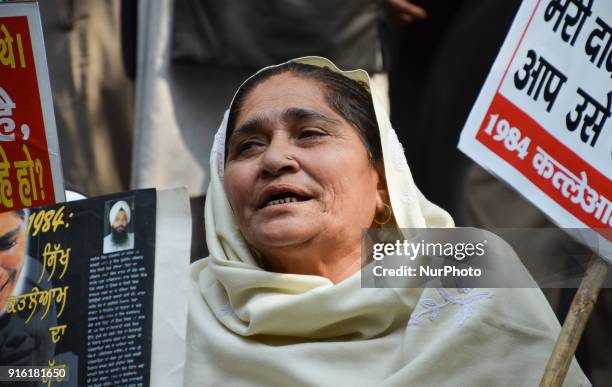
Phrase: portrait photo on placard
x=118 y=226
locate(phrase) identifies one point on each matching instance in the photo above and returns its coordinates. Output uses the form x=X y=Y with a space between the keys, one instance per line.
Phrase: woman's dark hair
x=349 y=98
x=20 y=214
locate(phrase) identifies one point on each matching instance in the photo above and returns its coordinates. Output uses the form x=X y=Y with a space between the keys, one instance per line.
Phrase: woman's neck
x=336 y=266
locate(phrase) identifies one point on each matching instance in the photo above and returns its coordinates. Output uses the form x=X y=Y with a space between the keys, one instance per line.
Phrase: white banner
x=542 y=120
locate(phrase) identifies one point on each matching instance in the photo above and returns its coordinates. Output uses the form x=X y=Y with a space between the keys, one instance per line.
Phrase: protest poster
x=30 y=165
x=542 y=119
x=98 y=296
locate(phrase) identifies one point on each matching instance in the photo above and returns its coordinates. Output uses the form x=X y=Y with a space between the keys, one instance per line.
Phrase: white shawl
x=250 y=327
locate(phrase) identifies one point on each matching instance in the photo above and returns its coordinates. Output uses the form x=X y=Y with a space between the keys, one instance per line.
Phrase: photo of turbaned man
x=118 y=230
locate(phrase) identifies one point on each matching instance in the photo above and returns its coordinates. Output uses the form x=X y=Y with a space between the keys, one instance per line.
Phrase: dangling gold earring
x=386 y=215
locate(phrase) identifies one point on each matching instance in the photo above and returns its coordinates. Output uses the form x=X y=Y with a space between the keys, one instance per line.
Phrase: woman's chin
x=283 y=234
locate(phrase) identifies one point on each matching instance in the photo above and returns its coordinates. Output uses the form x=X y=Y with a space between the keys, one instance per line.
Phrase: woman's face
x=297 y=174
x=12 y=253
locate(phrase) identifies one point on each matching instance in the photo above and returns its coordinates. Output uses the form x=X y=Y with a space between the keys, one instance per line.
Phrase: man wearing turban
x=119 y=238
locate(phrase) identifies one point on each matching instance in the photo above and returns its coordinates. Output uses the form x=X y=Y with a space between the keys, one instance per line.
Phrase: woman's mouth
x=283 y=199
x=282 y=194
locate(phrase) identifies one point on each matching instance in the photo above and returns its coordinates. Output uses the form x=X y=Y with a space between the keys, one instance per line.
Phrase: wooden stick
x=576 y=320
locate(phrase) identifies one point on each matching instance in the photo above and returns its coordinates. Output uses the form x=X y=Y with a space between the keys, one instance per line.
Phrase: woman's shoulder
x=515 y=328
x=523 y=310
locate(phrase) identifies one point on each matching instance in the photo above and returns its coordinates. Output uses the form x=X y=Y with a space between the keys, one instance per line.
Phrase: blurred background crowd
x=140 y=88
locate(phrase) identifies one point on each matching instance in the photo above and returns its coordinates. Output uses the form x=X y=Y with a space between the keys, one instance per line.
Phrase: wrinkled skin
x=288 y=139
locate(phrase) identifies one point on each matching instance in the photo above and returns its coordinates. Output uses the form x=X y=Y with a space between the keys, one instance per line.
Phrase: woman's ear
x=382 y=193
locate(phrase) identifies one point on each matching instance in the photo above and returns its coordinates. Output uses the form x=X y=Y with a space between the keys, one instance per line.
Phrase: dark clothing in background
x=413 y=54
x=435 y=94
x=255 y=34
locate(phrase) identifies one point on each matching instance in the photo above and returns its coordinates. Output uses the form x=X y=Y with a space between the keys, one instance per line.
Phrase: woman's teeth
x=282 y=201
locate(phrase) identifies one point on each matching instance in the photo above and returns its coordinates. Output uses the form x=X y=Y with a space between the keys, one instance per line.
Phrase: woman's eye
x=247 y=145
x=311 y=133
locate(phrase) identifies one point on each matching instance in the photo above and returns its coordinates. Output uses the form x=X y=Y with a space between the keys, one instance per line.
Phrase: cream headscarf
x=250 y=327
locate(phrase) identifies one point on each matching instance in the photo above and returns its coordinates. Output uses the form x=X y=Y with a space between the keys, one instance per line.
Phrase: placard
x=30 y=165
x=90 y=289
x=542 y=120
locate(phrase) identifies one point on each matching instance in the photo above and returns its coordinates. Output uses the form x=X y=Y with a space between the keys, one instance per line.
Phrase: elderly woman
x=303 y=162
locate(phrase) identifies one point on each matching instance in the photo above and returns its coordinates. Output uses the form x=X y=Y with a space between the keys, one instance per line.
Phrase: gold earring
x=387 y=214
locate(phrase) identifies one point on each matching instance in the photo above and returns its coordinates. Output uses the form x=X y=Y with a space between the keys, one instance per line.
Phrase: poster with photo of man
x=92 y=317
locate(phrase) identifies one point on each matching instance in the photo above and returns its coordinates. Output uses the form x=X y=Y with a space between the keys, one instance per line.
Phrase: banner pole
x=573 y=327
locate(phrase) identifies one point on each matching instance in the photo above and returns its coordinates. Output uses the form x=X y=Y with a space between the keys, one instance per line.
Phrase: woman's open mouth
x=282 y=194
x=283 y=199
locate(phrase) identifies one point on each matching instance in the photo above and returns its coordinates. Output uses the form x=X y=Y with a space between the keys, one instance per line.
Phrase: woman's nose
x=278 y=157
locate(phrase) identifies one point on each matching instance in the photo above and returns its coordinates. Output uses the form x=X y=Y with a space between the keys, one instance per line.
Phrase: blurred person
x=92 y=96
x=456 y=75
x=419 y=32
x=21 y=343
x=407 y=11
x=12 y=254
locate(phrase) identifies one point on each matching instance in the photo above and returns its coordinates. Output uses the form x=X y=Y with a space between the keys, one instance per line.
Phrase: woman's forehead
x=283 y=92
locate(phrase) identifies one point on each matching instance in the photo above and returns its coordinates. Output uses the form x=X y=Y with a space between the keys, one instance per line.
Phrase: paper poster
x=30 y=165
x=542 y=120
x=90 y=297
